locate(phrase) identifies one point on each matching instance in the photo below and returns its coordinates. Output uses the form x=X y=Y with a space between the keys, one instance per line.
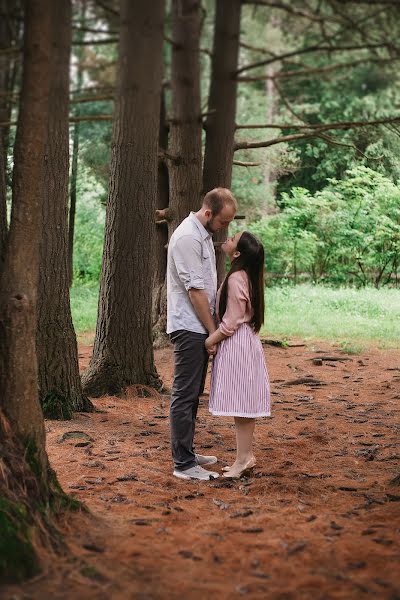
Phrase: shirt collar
x=204 y=233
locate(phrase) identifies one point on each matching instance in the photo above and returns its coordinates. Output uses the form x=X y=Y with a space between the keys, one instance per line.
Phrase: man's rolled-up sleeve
x=187 y=255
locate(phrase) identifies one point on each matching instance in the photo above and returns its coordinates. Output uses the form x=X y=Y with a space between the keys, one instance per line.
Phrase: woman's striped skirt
x=239 y=377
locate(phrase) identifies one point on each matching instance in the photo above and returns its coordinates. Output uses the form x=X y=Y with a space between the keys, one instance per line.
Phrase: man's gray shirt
x=191 y=265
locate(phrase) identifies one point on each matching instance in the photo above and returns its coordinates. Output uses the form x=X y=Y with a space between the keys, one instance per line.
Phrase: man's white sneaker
x=196 y=473
x=205 y=460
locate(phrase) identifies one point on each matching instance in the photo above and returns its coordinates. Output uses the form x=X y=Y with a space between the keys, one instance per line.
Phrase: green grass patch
x=351 y=318
x=84 y=308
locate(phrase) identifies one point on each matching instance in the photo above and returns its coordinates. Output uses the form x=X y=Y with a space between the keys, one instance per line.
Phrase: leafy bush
x=349 y=232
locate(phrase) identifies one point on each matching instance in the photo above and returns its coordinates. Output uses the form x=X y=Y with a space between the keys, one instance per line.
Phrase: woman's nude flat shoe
x=246 y=469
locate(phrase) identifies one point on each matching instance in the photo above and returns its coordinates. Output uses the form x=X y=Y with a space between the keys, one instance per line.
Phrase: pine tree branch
x=318 y=70
x=294 y=11
x=96 y=42
x=81 y=29
x=81 y=118
x=241 y=163
x=86 y=99
x=313 y=131
x=316 y=48
x=330 y=140
x=107 y=7
x=321 y=126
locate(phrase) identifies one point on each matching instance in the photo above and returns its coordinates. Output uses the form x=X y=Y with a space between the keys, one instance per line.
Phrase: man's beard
x=209 y=225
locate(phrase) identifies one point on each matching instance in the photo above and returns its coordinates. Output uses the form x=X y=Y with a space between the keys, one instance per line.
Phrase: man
x=191 y=293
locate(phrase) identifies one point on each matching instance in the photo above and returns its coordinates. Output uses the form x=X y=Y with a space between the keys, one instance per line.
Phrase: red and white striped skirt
x=239 y=377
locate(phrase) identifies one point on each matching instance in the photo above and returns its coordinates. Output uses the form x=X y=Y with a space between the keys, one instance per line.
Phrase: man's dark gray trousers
x=191 y=360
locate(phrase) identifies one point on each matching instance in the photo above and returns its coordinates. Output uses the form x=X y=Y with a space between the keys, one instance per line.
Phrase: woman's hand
x=210 y=347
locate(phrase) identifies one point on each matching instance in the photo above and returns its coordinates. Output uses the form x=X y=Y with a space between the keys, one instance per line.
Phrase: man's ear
x=208 y=213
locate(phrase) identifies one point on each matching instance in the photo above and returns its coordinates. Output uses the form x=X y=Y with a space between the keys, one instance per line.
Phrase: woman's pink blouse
x=238 y=305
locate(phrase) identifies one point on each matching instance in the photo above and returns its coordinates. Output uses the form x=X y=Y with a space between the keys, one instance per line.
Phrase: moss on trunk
x=18 y=559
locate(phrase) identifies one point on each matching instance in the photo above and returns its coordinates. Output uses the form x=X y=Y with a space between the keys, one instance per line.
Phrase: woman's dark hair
x=251 y=260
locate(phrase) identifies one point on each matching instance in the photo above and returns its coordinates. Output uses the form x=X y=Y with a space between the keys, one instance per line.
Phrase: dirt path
x=320 y=517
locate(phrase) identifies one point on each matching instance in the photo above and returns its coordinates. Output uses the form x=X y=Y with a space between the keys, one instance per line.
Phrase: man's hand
x=210 y=347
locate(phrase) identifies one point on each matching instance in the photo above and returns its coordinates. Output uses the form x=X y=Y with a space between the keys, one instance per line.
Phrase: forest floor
x=319 y=518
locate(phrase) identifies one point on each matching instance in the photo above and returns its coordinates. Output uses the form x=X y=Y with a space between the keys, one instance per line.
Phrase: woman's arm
x=214 y=339
x=236 y=306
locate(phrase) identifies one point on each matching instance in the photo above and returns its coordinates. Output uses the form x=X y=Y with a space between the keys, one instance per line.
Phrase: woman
x=239 y=379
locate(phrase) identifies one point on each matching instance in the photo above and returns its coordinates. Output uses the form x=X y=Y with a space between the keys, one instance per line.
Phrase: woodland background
x=116 y=117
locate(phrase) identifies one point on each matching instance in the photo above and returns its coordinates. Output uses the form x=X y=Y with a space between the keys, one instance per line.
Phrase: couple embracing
x=202 y=321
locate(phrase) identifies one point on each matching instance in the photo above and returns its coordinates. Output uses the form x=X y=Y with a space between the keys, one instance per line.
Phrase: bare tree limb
x=240 y=163
x=287 y=103
x=319 y=70
x=11 y=50
x=90 y=118
x=313 y=131
x=86 y=99
x=107 y=8
x=315 y=48
x=334 y=142
x=79 y=28
x=96 y=42
x=294 y=11
x=321 y=126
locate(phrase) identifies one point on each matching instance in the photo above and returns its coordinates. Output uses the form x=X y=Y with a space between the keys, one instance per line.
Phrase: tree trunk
x=60 y=389
x=75 y=150
x=123 y=348
x=220 y=122
x=72 y=202
x=185 y=169
x=19 y=278
x=5 y=110
x=26 y=524
x=185 y=137
x=159 y=306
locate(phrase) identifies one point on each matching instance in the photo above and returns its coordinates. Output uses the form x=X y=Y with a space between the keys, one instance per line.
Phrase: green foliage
x=347 y=232
x=367 y=93
x=84 y=300
x=89 y=228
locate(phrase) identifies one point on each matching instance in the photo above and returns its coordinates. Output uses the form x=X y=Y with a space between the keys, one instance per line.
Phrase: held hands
x=210 y=347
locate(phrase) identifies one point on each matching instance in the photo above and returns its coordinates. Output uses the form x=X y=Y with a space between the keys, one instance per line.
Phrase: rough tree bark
x=185 y=168
x=19 y=277
x=25 y=481
x=75 y=147
x=5 y=109
x=184 y=150
x=220 y=122
x=123 y=347
x=60 y=390
x=159 y=306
